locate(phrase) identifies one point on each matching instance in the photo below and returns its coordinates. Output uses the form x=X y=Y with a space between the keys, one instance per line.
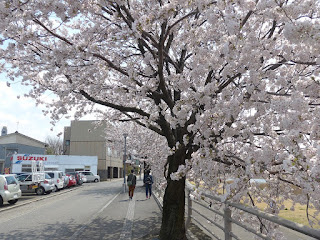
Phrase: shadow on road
x=48 y=231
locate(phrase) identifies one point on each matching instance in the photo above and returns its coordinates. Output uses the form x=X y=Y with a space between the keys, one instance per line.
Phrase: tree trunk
x=173 y=224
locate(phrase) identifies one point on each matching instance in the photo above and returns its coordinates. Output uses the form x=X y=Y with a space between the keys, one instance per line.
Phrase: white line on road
x=80 y=230
x=126 y=233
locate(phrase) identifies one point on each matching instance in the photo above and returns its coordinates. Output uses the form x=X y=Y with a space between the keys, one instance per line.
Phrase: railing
x=37 y=177
x=227 y=226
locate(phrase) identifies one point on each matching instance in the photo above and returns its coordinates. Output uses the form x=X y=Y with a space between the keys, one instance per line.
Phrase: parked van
x=9 y=189
x=90 y=177
x=58 y=179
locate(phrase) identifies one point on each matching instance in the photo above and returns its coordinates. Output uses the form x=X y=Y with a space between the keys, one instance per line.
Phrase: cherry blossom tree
x=231 y=87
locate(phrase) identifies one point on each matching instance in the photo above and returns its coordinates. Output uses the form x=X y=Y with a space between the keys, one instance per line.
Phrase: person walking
x=148 y=181
x=131 y=182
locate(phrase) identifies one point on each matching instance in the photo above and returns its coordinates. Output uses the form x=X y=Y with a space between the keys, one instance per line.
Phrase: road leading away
x=92 y=211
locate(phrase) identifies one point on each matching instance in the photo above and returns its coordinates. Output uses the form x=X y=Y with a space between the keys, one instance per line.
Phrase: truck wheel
x=13 y=201
x=1 y=201
x=40 y=191
x=96 y=180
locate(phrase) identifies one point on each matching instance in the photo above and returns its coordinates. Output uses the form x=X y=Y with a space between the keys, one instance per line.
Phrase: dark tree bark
x=173 y=222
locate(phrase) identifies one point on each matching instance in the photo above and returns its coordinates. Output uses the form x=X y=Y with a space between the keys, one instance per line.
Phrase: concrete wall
x=66 y=140
x=87 y=131
x=86 y=138
x=88 y=148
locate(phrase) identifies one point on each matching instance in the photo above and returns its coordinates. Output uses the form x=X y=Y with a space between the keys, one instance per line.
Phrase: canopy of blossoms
x=234 y=85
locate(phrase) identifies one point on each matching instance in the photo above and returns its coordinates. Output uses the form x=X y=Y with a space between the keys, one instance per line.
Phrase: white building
x=65 y=163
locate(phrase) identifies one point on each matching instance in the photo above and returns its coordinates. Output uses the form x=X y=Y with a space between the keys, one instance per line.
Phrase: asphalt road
x=92 y=211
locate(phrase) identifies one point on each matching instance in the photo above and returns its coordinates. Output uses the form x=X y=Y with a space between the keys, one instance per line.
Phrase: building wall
x=66 y=140
x=8 y=139
x=56 y=162
x=90 y=149
x=85 y=138
x=87 y=131
x=7 y=150
x=26 y=141
x=16 y=138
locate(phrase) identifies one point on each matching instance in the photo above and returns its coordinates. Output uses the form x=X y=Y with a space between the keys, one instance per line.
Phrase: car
x=83 y=177
x=72 y=180
x=78 y=176
x=48 y=184
x=58 y=179
x=28 y=186
x=9 y=189
x=90 y=176
x=65 y=180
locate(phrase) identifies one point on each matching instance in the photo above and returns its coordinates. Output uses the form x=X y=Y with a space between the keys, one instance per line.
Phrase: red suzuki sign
x=31 y=158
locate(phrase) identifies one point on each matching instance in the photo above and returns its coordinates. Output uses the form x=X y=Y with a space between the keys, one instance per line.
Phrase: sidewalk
x=147 y=215
x=124 y=219
x=147 y=218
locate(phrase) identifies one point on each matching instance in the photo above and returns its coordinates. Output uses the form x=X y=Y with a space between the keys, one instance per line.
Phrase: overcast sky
x=23 y=115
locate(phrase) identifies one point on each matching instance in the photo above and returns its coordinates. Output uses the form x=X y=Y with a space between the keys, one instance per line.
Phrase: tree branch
x=245 y=19
x=120 y=108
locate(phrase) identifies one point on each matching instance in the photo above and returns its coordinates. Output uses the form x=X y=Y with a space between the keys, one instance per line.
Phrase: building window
x=67 y=142
x=51 y=169
x=26 y=168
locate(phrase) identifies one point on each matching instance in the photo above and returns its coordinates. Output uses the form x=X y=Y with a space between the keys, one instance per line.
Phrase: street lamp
x=125 y=135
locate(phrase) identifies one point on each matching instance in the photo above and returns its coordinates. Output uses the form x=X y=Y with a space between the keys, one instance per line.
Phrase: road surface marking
x=80 y=230
x=126 y=233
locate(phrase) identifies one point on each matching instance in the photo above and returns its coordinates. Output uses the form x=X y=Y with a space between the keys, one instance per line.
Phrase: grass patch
x=298 y=215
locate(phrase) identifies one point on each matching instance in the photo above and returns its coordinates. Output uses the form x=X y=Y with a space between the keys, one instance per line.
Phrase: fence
x=228 y=221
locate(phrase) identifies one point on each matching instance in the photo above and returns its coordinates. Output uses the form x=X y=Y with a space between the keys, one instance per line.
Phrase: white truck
x=32 y=181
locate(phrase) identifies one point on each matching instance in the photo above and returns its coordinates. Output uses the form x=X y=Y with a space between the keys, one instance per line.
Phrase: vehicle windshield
x=22 y=177
x=11 y=180
x=51 y=175
x=47 y=176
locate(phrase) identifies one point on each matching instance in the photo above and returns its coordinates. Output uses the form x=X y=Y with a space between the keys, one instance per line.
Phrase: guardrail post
x=227 y=222
x=189 y=209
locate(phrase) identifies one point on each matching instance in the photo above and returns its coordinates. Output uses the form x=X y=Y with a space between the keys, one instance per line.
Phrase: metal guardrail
x=228 y=220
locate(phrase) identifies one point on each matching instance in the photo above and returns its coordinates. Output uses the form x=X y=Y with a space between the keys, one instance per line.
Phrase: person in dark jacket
x=131 y=182
x=148 y=181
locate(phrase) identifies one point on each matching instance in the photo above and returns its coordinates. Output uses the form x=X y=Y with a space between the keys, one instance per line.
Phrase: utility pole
x=125 y=135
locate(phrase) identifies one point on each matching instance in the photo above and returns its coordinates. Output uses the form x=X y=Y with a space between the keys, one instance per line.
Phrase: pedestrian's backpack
x=148 y=180
x=129 y=182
